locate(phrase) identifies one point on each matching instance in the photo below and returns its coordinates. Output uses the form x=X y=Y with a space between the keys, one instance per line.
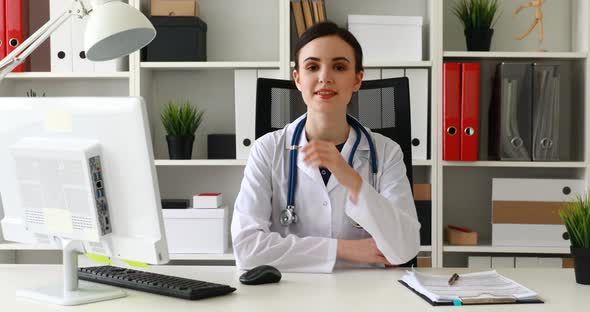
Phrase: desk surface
x=344 y=290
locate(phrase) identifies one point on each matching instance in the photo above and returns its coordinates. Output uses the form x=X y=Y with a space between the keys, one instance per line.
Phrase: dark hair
x=324 y=29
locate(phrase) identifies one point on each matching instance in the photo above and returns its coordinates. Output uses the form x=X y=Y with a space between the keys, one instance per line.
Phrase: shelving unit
x=207 y=65
x=259 y=34
x=72 y=75
x=518 y=55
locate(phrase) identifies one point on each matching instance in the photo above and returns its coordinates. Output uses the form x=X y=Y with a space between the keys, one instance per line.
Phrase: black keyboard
x=154 y=283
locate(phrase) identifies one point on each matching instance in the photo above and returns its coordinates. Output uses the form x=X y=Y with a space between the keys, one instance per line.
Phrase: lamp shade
x=115 y=29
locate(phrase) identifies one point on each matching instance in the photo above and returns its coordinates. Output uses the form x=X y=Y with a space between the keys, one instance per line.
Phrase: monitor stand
x=70 y=293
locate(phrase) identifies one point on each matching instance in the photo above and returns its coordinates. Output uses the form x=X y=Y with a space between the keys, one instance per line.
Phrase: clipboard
x=472 y=301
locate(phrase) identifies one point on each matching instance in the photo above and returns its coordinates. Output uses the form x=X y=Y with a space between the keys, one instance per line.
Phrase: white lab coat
x=389 y=216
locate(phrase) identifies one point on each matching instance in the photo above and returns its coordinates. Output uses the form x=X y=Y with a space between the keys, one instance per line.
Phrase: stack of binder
x=306 y=13
x=524 y=113
x=461 y=111
x=13 y=28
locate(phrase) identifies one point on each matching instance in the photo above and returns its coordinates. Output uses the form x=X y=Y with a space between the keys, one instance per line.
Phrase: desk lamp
x=114 y=29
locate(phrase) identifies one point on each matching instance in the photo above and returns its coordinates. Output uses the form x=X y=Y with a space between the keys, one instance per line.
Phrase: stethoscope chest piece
x=288 y=216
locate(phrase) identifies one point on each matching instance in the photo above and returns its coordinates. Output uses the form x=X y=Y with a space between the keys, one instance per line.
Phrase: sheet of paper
x=478 y=285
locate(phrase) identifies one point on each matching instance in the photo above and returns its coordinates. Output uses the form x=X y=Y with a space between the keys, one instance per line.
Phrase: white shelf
x=19 y=246
x=525 y=164
x=68 y=75
x=426 y=248
x=422 y=162
x=201 y=162
x=554 y=55
x=207 y=65
x=505 y=249
x=391 y=64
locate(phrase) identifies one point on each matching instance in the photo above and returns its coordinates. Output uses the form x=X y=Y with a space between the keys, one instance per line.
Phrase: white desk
x=350 y=290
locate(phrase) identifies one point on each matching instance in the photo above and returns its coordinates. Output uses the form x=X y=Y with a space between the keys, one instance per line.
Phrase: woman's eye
x=339 y=67
x=312 y=67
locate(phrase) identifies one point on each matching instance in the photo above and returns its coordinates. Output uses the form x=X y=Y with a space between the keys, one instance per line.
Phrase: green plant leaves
x=181 y=119
x=476 y=14
x=576 y=217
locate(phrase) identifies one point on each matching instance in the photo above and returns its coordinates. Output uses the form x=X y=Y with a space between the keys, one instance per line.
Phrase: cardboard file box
x=196 y=230
x=525 y=212
x=178 y=39
x=174 y=8
x=388 y=38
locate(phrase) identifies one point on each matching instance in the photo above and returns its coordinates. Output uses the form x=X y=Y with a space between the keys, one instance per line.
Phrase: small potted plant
x=181 y=121
x=576 y=217
x=478 y=20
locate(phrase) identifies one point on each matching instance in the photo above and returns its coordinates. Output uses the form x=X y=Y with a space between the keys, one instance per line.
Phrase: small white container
x=196 y=230
x=207 y=200
x=388 y=38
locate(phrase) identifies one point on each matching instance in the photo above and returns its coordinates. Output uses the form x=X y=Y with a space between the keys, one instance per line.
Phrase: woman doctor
x=341 y=219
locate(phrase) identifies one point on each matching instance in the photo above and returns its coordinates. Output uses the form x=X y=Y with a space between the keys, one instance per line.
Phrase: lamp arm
x=18 y=55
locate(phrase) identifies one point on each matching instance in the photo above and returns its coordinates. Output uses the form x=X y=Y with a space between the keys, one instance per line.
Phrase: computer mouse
x=262 y=274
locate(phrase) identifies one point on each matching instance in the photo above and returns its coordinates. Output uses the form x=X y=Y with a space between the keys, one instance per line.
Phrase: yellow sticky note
x=136 y=264
x=58 y=121
x=99 y=258
x=58 y=220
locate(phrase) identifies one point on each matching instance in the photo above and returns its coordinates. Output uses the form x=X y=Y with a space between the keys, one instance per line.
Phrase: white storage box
x=196 y=230
x=525 y=211
x=387 y=38
x=207 y=200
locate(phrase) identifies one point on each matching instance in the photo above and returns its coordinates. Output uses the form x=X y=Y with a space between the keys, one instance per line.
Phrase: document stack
x=524 y=114
x=470 y=288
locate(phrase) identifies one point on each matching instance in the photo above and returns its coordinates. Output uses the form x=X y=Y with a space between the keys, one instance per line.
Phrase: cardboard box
x=422 y=191
x=461 y=238
x=424 y=262
x=567 y=263
x=196 y=230
x=388 y=38
x=174 y=8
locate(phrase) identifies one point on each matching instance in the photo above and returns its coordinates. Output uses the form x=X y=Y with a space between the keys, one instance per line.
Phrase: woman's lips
x=325 y=94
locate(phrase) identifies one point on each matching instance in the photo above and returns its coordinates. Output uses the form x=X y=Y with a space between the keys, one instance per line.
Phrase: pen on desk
x=453 y=279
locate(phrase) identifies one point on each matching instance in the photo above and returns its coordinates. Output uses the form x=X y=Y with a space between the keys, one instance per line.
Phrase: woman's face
x=326 y=76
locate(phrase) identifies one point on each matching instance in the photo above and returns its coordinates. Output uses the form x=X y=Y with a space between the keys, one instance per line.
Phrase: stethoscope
x=288 y=215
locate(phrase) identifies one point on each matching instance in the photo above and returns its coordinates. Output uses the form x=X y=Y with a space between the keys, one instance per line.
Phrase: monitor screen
x=81 y=169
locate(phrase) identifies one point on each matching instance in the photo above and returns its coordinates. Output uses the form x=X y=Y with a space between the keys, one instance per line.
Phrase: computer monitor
x=78 y=173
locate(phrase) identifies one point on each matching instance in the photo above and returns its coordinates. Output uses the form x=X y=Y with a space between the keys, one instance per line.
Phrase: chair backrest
x=380 y=105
